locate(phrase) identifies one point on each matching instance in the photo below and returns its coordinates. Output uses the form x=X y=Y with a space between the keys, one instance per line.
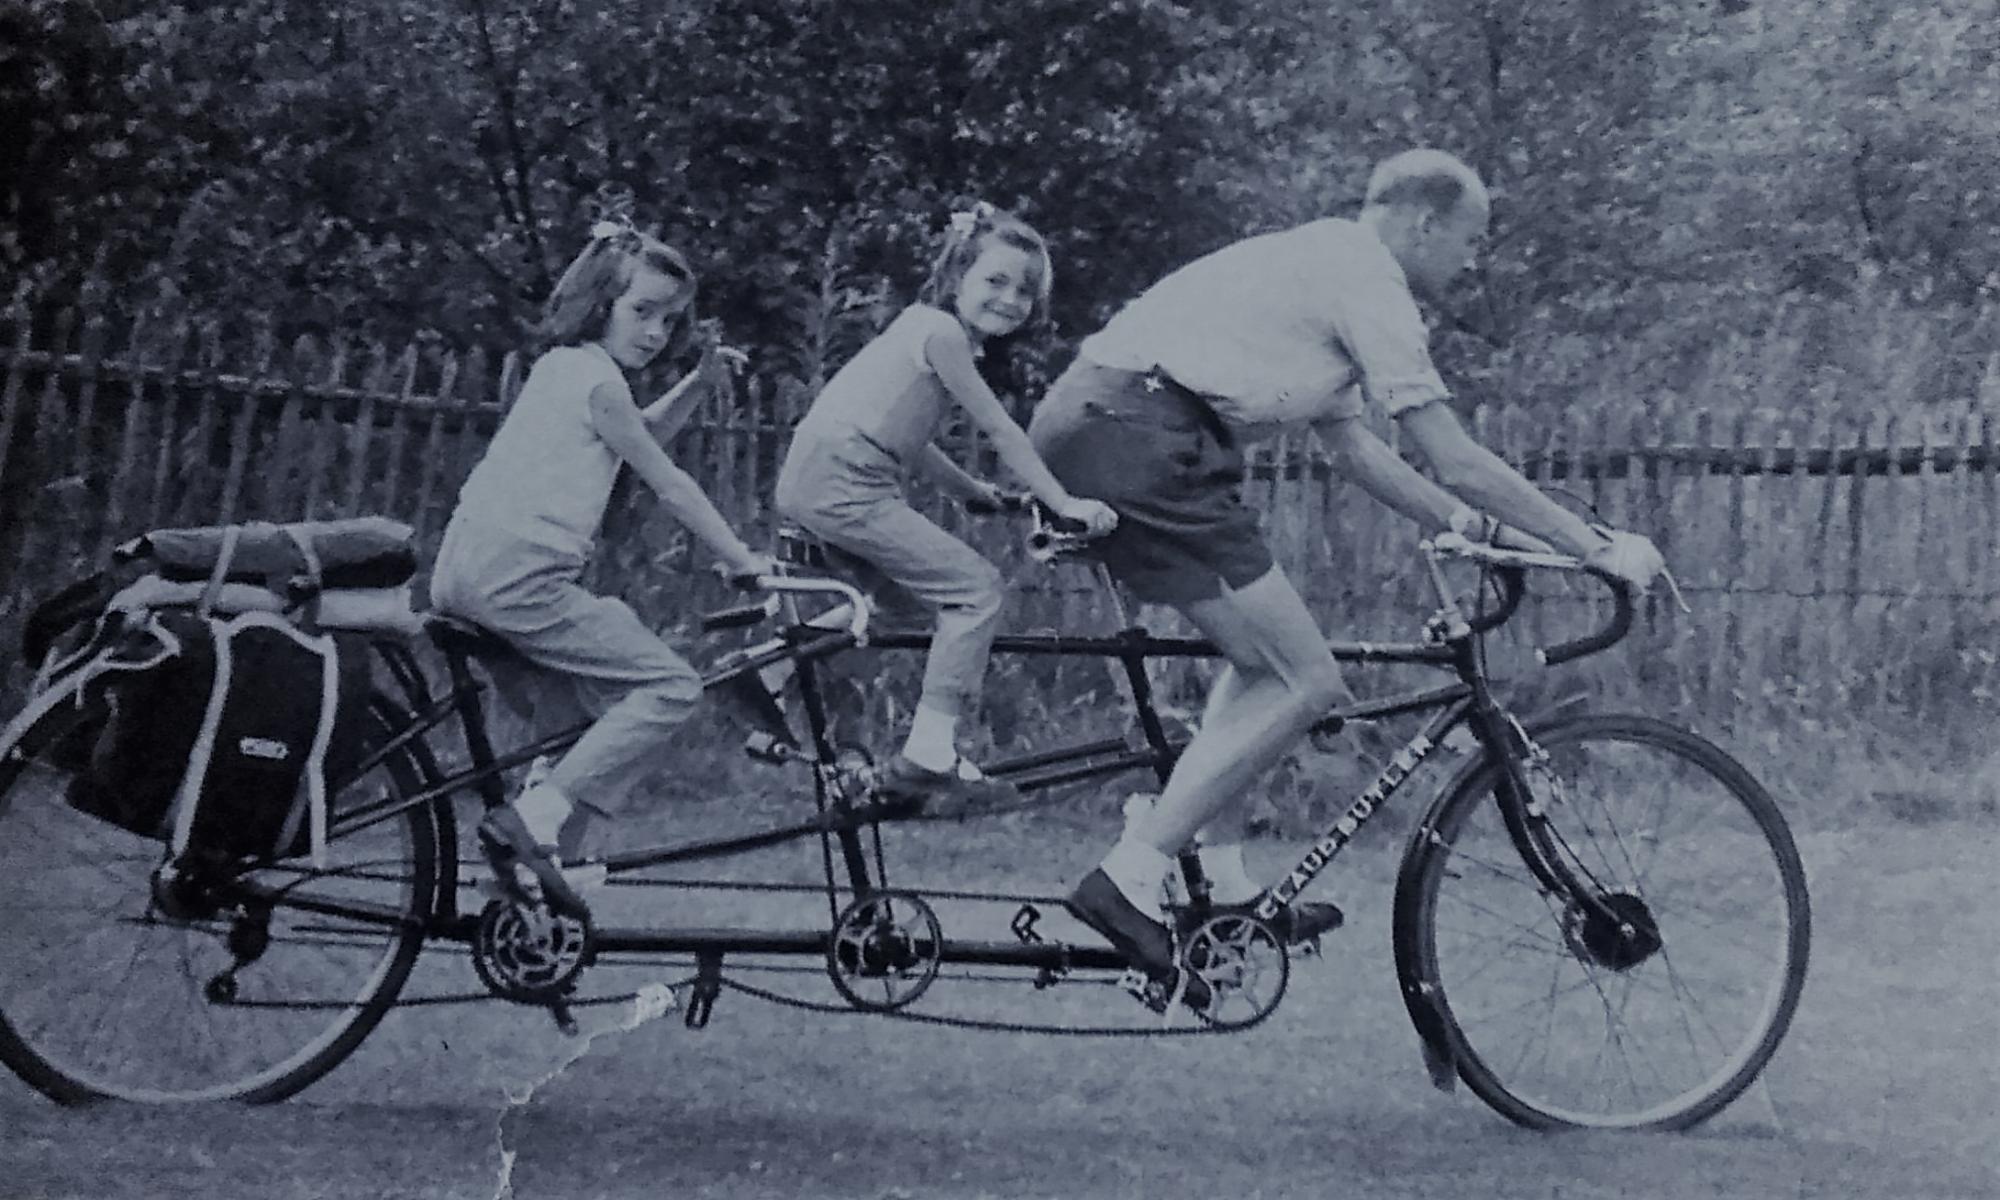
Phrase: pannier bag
x=220 y=733
x=227 y=693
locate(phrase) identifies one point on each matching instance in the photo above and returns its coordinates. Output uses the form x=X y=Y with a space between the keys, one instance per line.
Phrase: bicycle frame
x=1451 y=644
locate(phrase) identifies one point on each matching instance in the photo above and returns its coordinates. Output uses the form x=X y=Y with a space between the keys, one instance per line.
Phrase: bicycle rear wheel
x=109 y=988
x=1568 y=1011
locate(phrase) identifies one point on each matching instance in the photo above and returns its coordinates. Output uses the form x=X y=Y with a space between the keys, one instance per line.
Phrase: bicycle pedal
x=1145 y=989
x=766 y=747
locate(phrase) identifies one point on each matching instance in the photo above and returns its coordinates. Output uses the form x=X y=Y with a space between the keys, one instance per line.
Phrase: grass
x=1878 y=1091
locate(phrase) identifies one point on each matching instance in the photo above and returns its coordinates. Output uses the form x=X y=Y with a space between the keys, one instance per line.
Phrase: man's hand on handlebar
x=1077 y=515
x=1630 y=557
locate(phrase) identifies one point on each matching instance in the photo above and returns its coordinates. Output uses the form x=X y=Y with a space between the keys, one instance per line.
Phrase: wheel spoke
x=103 y=991
x=1669 y=838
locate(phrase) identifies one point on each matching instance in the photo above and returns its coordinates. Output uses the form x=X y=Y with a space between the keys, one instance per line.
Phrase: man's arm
x=1382 y=473
x=1485 y=481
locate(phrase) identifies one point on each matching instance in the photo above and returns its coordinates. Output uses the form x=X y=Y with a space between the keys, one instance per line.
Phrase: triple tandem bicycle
x=1600 y=920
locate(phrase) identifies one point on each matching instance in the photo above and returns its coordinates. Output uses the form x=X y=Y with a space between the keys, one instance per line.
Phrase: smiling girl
x=875 y=423
x=514 y=552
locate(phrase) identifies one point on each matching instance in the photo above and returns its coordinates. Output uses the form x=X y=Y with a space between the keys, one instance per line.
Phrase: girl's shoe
x=958 y=791
x=506 y=842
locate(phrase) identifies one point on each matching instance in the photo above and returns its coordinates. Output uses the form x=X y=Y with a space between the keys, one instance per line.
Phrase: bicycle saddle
x=456 y=635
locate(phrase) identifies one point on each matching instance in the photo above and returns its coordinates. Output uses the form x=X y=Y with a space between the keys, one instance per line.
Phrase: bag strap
x=220 y=574
x=315 y=575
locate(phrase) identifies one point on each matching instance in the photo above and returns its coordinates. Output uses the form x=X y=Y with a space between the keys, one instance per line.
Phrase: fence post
x=10 y=396
x=244 y=426
x=1737 y=672
x=321 y=423
x=374 y=380
x=474 y=397
x=1832 y=652
x=427 y=473
x=401 y=414
x=90 y=352
x=138 y=355
x=40 y=517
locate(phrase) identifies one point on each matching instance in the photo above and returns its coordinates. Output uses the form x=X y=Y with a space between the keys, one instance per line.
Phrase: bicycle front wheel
x=1650 y=996
x=111 y=986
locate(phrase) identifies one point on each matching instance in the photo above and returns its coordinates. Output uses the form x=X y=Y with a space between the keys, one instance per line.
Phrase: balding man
x=1304 y=327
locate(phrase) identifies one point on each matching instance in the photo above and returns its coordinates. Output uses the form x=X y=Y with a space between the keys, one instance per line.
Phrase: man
x=1300 y=327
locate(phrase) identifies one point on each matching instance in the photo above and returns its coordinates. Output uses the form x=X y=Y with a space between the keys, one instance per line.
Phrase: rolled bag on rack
x=351 y=574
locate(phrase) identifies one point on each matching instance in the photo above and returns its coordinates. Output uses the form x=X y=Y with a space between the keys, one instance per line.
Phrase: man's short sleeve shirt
x=1282 y=329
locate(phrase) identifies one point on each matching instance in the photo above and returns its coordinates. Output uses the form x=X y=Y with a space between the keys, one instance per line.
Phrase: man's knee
x=1320 y=685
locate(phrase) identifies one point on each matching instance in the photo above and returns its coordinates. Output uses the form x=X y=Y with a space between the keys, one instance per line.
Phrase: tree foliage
x=386 y=166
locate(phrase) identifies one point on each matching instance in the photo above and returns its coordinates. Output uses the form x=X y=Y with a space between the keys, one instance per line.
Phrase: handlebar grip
x=1622 y=612
x=738 y=616
x=1006 y=502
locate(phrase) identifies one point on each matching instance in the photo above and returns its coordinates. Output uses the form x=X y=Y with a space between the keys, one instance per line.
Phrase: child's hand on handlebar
x=990 y=498
x=1630 y=557
x=1097 y=517
x=744 y=569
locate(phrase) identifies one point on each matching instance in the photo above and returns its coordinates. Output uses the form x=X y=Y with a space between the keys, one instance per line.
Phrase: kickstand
x=707 y=986
x=565 y=1020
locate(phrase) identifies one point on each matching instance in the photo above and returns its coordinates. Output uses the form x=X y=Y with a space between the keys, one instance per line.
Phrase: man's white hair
x=1431 y=178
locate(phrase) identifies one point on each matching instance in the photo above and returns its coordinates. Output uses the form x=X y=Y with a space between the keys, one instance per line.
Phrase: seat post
x=1110 y=587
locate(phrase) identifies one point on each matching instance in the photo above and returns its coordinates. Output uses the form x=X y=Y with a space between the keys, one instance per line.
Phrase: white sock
x=1229 y=880
x=543 y=809
x=932 y=743
x=1138 y=870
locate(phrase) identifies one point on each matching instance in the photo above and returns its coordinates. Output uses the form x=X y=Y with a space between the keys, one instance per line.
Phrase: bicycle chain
x=785 y=1001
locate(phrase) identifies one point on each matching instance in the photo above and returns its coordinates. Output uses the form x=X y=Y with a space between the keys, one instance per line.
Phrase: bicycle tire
x=79 y=1030
x=1465 y=891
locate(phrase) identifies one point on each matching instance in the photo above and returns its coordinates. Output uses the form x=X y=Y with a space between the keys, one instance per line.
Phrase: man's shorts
x=1158 y=454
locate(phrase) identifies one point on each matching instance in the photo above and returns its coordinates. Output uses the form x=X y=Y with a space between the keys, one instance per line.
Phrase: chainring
x=1245 y=964
x=885 y=950
x=528 y=954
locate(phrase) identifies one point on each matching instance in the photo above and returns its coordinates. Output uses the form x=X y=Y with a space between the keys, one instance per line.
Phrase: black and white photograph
x=1063 y=600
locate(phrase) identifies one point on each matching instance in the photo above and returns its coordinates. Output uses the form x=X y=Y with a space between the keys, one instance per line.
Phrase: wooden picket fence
x=1840 y=561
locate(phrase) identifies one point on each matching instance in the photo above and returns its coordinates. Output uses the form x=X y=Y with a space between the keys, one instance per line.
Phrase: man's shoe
x=1296 y=923
x=1144 y=942
x=955 y=792
x=506 y=842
